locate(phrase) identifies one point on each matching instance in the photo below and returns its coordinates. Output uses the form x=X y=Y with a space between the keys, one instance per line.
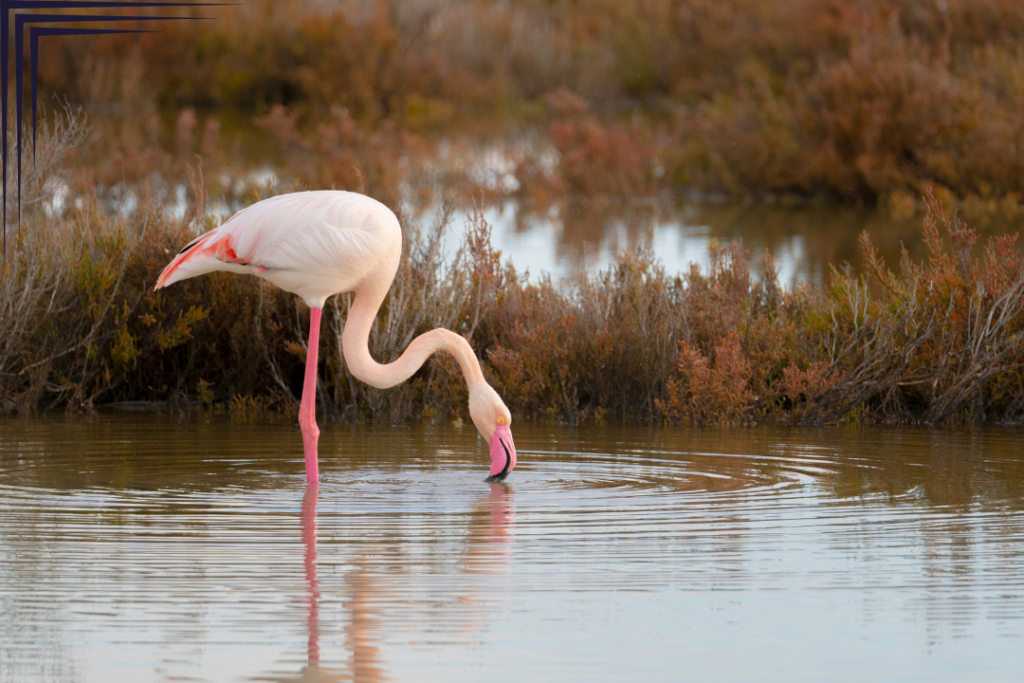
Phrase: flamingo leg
x=307 y=410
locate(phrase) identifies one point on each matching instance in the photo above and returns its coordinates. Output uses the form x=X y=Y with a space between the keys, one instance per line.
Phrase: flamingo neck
x=355 y=344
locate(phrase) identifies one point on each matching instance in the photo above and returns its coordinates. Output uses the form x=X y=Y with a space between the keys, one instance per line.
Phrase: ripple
x=151 y=549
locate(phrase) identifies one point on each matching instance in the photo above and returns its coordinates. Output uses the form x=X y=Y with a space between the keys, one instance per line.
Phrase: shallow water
x=570 y=235
x=146 y=548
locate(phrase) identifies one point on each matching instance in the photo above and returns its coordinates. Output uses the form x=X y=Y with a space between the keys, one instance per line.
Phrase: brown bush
x=81 y=326
x=595 y=162
x=603 y=345
x=943 y=342
x=710 y=392
x=339 y=154
x=866 y=101
x=901 y=107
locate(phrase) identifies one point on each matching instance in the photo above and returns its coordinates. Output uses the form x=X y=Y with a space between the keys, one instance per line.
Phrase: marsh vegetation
x=914 y=109
x=866 y=101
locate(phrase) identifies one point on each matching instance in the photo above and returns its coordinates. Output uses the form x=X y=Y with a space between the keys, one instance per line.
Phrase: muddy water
x=146 y=548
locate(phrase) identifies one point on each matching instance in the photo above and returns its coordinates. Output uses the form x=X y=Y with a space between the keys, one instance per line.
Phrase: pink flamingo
x=316 y=244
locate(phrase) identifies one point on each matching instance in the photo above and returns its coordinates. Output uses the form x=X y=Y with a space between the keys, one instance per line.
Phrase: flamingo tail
x=194 y=259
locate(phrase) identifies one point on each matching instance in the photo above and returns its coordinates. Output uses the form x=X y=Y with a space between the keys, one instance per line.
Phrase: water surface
x=151 y=548
x=574 y=234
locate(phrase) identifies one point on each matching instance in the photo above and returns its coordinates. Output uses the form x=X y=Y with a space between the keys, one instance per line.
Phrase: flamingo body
x=313 y=244
x=316 y=244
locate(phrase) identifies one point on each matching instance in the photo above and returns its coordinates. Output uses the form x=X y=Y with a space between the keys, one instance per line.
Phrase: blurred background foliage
x=861 y=101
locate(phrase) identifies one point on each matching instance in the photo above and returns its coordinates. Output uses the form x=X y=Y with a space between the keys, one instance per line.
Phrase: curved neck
x=355 y=344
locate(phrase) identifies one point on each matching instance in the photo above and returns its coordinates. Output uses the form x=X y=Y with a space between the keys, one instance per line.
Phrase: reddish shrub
x=710 y=391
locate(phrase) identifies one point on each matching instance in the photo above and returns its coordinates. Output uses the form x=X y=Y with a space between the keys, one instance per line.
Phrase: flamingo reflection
x=485 y=565
x=488 y=552
x=365 y=667
x=492 y=525
x=312 y=672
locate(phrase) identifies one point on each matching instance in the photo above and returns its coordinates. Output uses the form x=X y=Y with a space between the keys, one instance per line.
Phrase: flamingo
x=315 y=245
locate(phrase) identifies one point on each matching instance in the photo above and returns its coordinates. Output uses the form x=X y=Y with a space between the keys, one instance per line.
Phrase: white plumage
x=313 y=244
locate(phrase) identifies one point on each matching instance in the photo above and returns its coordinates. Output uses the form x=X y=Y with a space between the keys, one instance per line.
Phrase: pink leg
x=307 y=411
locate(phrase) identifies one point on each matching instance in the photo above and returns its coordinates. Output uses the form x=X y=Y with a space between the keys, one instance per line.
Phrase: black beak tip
x=500 y=476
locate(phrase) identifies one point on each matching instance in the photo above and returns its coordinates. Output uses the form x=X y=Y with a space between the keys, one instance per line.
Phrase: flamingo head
x=494 y=421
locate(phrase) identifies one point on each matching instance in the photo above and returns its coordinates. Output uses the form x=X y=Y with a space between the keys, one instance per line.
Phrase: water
x=151 y=549
x=570 y=235
x=805 y=241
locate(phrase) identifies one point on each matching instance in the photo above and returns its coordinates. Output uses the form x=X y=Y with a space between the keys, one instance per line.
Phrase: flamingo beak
x=503 y=454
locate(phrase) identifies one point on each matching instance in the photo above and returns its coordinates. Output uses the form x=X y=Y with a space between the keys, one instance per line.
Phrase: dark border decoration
x=35 y=33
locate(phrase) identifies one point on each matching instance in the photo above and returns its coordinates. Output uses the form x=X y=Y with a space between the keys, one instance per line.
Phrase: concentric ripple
x=151 y=549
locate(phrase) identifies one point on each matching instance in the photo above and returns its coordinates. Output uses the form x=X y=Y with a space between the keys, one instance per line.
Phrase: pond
x=138 y=548
x=572 y=234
